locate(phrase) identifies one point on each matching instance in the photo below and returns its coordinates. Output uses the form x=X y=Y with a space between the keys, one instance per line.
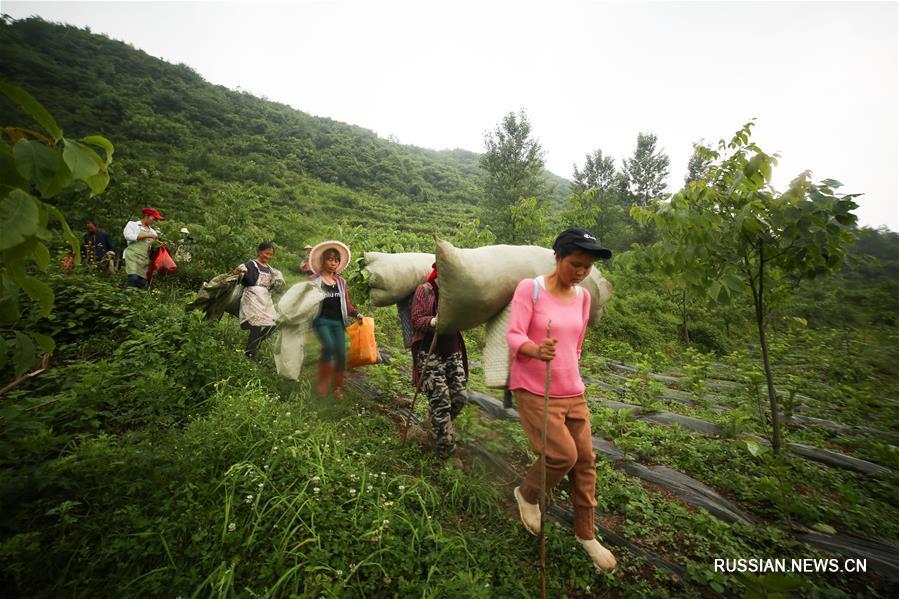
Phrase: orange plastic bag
x=363 y=347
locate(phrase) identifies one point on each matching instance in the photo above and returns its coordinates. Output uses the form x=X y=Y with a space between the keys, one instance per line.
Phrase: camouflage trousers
x=443 y=382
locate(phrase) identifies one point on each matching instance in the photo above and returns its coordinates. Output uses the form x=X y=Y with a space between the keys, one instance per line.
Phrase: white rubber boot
x=602 y=557
x=529 y=512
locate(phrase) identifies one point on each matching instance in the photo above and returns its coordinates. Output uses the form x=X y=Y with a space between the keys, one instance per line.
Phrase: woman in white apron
x=257 y=310
x=140 y=237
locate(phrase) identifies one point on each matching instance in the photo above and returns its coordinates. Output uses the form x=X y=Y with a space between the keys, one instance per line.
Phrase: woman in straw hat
x=327 y=260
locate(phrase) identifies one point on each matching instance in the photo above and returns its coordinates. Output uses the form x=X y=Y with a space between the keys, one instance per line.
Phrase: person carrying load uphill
x=443 y=370
x=257 y=310
x=140 y=237
x=327 y=260
x=555 y=302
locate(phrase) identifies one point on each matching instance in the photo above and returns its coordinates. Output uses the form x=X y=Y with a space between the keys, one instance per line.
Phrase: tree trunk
x=759 y=299
x=683 y=308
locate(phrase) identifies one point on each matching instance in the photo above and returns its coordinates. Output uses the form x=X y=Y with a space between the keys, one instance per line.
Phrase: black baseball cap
x=581 y=239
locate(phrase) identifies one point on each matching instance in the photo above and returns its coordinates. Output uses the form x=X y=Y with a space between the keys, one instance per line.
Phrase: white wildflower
x=232 y=527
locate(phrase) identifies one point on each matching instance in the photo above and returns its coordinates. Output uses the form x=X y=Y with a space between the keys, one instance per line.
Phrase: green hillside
x=193 y=137
x=146 y=456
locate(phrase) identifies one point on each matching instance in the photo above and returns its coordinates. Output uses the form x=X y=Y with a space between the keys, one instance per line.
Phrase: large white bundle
x=476 y=284
x=296 y=310
x=495 y=357
x=394 y=277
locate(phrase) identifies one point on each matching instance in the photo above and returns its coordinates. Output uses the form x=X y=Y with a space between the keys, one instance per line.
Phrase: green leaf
x=45 y=342
x=9 y=176
x=101 y=142
x=9 y=300
x=42 y=166
x=825 y=528
x=67 y=234
x=24 y=353
x=97 y=182
x=41 y=256
x=81 y=160
x=38 y=291
x=26 y=102
x=18 y=218
x=754 y=448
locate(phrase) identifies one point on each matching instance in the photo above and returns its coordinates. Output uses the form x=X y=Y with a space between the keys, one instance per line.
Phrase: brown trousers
x=569 y=450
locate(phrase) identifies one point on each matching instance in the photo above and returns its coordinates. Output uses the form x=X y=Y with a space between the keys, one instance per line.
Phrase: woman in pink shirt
x=557 y=297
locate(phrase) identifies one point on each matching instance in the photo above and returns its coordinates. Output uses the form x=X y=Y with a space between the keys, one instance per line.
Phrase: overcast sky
x=821 y=77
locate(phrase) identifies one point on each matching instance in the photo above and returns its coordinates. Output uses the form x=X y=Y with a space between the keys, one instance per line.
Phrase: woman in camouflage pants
x=446 y=370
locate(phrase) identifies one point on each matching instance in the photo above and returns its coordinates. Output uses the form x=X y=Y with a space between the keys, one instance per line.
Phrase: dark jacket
x=251 y=277
x=101 y=243
x=424 y=308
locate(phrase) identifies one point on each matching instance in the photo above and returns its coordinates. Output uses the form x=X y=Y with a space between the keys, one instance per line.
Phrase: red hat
x=433 y=274
x=154 y=213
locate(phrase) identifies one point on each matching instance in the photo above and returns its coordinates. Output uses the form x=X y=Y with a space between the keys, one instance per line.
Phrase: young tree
x=599 y=173
x=732 y=230
x=646 y=171
x=513 y=165
x=699 y=162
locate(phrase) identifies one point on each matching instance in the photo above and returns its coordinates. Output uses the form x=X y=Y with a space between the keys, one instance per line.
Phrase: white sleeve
x=131 y=230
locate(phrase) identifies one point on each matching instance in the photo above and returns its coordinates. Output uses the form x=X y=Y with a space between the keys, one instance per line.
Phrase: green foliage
x=512 y=163
x=529 y=222
x=31 y=162
x=599 y=173
x=471 y=234
x=646 y=170
x=731 y=230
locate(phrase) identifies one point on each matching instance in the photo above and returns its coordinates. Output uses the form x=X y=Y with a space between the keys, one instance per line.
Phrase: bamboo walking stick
x=543 y=474
x=421 y=376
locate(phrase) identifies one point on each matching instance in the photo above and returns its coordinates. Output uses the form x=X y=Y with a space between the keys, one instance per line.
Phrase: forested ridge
x=141 y=454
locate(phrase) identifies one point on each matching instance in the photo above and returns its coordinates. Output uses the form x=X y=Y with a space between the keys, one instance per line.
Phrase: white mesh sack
x=394 y=277
x=296 y=310
x=476 y=284
x=495 y=356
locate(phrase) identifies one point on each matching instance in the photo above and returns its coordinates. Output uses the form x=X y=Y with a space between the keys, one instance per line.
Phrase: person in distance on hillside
x=98 y=248
x=305 y=267
x=557 y=297
x=327 y=260
x=257 y=310
x=182 y=252
x=140 y=237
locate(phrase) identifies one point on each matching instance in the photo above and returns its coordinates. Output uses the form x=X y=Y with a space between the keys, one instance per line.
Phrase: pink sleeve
x=586 y=316
x=520 y=317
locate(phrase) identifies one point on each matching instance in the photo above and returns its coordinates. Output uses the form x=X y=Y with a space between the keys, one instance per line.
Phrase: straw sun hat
x=315 y=255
